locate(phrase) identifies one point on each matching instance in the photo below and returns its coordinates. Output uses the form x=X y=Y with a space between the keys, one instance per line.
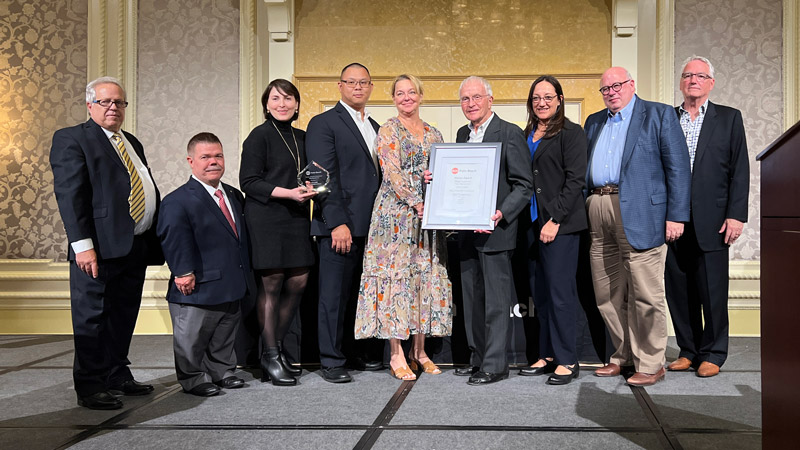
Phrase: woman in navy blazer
x=556 y=216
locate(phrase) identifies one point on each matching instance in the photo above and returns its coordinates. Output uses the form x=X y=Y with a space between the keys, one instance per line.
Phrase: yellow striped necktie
x=136 y=198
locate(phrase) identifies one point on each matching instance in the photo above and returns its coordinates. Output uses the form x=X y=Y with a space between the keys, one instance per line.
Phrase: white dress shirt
x=147 y=185
x=476 y=134
x=365 y=127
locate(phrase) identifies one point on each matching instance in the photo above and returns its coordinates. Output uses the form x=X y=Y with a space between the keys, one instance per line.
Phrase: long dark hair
x=556 y=122
x=286 y=87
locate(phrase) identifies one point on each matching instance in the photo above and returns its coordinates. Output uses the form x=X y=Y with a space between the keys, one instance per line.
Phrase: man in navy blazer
x=697 y=263
x=203 y=234
x=638 y=180
x=342 y=140
x=108 y=203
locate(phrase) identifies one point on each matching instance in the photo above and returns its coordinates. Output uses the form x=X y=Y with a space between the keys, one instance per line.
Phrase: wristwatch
x=552 y=219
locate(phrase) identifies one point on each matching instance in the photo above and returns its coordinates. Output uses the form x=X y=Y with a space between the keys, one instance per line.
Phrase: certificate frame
x=463 y=192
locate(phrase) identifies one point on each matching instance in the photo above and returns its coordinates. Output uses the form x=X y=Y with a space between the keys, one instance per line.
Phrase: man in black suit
x=203 y=234
x=485 y=257
x=108 y=203
x=697 y=263
x=342 y=140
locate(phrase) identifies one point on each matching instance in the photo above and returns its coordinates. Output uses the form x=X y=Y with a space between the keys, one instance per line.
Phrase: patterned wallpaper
x=42 y=81
x=744 y=42
x=188 y=83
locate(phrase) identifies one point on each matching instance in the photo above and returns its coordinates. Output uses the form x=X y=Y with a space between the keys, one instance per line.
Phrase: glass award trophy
x=315 y=174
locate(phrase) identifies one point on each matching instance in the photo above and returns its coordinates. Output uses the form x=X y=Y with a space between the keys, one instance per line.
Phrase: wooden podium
x=780 y=290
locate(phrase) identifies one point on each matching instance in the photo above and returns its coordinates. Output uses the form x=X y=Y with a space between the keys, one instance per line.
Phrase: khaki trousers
x=629 y=289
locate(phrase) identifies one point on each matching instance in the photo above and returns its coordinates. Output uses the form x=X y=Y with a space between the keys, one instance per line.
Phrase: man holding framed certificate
x=485 y=255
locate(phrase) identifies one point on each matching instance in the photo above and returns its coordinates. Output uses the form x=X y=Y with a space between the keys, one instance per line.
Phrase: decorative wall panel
x=42 y=82
x=188 y=82
x=744 y=42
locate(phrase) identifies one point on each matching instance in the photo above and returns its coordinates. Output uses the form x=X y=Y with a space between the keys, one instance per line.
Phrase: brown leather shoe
x=647 y=379
x=707 y=369
x=680 y=364
x=609 y=370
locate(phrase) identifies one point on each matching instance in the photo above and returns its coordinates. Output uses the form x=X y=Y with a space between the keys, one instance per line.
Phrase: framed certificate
x=463 y=193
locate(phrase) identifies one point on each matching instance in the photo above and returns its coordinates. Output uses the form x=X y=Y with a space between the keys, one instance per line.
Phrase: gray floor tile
x=26 y=349
x=487 y=440
x=521 y=401
x=219 y=439
x=313 y=401
x=730 y=401
x=35 y=438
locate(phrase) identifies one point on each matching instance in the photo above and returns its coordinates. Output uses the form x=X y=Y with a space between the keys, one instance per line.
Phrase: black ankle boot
x=293 y=371
x=272 y=369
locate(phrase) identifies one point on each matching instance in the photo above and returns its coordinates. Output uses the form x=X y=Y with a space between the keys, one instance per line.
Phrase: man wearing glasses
x=485 y=257
x=108 y=203
x=697 y=263
x=342 y=140
x=638 y=180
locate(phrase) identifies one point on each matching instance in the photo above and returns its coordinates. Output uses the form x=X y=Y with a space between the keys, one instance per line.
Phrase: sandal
x=403 y=373
x=427 y=367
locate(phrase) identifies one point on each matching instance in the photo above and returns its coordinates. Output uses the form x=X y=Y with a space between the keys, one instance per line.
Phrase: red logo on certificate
x=455 y=170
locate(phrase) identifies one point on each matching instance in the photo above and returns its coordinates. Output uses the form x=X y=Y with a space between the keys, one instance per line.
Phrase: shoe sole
x=490 y=382
x=100 y=407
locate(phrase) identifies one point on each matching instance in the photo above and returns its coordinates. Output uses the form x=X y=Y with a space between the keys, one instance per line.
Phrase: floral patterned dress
x=404 y=286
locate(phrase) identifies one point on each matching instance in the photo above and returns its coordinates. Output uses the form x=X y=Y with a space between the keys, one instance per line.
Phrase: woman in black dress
x=278 y=219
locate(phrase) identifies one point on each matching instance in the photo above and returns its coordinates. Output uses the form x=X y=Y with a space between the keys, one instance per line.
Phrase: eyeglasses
x=475 y=98
x=547 y=99
x=353 y=83
x=700 y=76
x=120 y=104
x=616 y=87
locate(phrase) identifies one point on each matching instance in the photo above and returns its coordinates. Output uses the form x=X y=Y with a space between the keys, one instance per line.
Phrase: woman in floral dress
x=404 y=288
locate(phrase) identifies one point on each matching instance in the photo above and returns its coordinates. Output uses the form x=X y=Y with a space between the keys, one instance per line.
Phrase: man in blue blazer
x=638 y=180
x=697 y=263
x=342 y=140
x=203 y=234
x=108 y=203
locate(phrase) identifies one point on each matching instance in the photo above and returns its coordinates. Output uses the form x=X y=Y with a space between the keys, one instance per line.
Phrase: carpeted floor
x=39 y=408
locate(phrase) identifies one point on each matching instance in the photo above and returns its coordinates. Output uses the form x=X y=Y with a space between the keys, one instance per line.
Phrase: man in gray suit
x=486 y=280
x=639 y=181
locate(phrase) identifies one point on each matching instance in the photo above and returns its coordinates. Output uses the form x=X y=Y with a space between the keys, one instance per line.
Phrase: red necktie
x=225 y=211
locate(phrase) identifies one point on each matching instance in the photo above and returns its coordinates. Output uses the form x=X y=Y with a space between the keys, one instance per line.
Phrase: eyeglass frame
x=353 y=83
x=477 y=98
x=611 y=87
x=701 y=76
x=547 y=99
x=120 y=104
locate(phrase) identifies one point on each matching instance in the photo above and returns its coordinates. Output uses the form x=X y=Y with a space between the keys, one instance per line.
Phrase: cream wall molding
x=427 y=78
x=665 y=58
x=791 y=62
x=112 y=47
x=249 y=106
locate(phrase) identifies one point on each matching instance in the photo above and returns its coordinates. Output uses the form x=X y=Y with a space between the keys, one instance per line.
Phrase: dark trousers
x=697 y=291
x=488 y=292
x=202 y=339
x=104 y=312
x=552 y=280
x=338 y=277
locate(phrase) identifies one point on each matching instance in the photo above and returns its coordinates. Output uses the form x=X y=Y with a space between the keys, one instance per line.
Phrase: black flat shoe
x=557 y=380
x=204 y=390
x=230 y=383
x=335 y=375
x=481 y=378
x=549 y=367
x=131 y=387
x=100 y=400
x=465 y=371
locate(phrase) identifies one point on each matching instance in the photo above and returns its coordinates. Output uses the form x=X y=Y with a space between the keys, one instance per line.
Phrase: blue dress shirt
x=606 y=158
x=532 y=146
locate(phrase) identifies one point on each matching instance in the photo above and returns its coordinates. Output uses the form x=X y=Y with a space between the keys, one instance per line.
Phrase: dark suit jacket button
x=536 y=172
x=538 y=190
